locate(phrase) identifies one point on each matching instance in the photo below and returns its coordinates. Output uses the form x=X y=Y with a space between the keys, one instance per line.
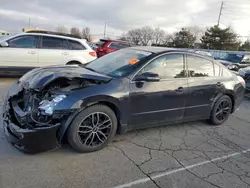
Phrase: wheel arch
x=227 y=93
x=111 y=102
x=74 y=62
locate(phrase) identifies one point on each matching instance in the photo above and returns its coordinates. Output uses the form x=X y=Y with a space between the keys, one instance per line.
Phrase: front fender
x=84 y=103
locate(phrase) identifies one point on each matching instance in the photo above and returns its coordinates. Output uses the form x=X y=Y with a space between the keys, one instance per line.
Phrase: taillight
x=93 y=54
x=241 y=80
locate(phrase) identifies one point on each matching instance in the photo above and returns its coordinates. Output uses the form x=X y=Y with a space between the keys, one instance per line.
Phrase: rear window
x=100 y=43
x=118 y=45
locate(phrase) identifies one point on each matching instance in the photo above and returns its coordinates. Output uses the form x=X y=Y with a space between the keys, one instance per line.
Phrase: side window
x=199 y=67
x=167 y=66
x=246 y=59
x=114 y=45
x=23 y=42
x=52 y=43
x=74 y=45
x=117 y=45
x=217 y=70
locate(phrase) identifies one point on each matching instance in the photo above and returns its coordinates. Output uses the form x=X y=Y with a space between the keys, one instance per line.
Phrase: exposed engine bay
x=35 y=107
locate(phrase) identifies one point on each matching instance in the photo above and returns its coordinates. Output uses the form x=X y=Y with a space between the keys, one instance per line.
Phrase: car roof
x=109 y=40
x=49 y=35
x=157 y=50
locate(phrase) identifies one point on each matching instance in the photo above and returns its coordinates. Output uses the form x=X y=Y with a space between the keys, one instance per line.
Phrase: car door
x=52 y=51
x=202 y=87
x=162 y=101
x=21 y=52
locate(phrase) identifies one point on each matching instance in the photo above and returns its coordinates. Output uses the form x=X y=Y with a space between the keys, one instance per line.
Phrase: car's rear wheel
x=221 y=110
x=92 y=128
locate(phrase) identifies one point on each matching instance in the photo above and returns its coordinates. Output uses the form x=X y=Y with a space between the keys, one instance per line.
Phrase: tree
x=245 y=46
x=86 y=34
x=184 y=39
x=147 y=34
x=197 y=32
x=75 y=31
x=220 y=39
x=62 y=29
x=134 y=36
x=158 y=36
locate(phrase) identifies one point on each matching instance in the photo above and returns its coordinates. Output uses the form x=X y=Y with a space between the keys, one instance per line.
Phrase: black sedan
x=129 y=89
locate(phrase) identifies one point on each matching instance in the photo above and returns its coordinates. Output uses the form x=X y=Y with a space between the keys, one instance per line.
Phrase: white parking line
x=144 y=180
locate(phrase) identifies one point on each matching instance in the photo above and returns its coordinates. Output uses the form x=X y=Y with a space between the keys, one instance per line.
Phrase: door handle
x=32 y=52
x=65 y=53
x=180 y=89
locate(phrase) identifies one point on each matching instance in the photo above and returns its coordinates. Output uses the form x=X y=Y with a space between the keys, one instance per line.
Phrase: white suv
x=25 y=51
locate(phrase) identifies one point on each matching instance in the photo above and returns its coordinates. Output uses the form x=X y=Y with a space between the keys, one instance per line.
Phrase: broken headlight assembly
x=46 y=107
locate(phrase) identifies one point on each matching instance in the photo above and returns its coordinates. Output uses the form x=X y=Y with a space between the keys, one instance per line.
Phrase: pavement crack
x=138 y=166
x=203 y=179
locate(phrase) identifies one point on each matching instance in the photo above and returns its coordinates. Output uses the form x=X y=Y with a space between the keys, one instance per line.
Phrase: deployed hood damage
x=39 y=78
x=41 y=89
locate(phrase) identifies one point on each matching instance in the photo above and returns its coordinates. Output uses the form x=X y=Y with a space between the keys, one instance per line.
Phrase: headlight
x=47 y=107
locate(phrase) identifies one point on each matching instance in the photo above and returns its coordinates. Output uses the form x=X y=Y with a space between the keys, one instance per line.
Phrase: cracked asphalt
x=185 y=155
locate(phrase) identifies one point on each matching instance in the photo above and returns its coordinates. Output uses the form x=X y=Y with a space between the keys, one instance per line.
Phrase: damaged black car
x=128 y=89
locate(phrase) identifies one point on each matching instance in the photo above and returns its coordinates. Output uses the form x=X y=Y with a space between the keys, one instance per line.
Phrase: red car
x=104 y=46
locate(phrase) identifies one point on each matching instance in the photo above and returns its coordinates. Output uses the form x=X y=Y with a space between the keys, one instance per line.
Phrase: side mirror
x=233 y=67
x=148 y=77
x=4 y=44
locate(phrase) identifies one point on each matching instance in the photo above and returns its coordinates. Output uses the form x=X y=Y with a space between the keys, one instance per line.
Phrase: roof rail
x=54 y=33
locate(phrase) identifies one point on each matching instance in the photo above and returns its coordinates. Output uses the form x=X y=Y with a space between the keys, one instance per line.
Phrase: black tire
x=75 y=137
x=216 y=118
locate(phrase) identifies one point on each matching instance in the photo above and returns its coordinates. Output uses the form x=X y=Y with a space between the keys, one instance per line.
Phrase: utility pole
x=221 y=7
x=105 y=28
x=29 y=22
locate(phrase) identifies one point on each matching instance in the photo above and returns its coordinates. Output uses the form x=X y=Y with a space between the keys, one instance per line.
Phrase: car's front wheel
x=92 y=128
x=221 y=110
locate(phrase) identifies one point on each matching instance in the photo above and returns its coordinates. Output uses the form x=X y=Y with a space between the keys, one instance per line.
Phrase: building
x=31 y=29
x=4 y=33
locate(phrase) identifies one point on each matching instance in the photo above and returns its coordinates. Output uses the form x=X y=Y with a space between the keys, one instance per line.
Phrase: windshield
x=119 y=63
x=235 y=58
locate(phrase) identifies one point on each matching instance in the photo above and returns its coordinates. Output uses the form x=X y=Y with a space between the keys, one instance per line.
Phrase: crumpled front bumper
x=30 y=140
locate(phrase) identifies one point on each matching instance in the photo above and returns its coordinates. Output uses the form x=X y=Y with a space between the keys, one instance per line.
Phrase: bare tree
x=158 y=36
x=75 y=31
x=86 y=34
x=197 y=32
x=134 y=36
x=147 y=34
x=61 y=29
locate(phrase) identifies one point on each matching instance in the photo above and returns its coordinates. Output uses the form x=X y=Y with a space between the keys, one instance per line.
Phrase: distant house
x=4 y=33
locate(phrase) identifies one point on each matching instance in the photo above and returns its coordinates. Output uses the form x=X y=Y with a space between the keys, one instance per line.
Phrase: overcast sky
x=122 y=15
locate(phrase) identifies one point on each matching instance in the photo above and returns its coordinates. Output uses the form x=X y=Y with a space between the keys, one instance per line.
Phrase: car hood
x=40 y=77
x=224 y=62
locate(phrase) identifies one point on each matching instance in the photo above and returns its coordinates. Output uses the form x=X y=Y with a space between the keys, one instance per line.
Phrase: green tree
x=184 y=39
x=245 y=46
x=220 y=39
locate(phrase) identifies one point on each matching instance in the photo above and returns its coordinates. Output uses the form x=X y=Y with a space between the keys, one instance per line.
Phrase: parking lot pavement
x=186 y=155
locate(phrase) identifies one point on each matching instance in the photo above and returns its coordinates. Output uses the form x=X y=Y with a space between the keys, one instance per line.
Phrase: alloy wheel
x=222 y=111
x=95 y=129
